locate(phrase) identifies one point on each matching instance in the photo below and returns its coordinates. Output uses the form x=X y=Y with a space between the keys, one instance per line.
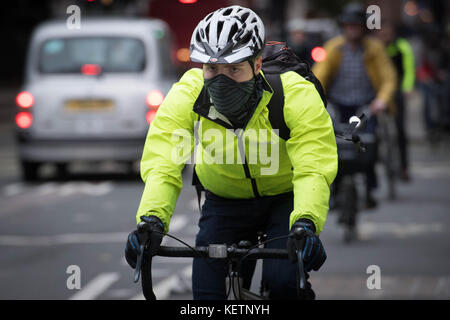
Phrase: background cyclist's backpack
x=277 y=59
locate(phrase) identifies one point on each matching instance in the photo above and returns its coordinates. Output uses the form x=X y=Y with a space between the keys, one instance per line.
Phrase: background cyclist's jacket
x=402 y=56
x=379 y=67
x=307 y=161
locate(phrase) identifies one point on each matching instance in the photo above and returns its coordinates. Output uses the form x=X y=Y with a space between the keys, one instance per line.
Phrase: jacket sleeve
x=169 y=143
x=383 y=64
x=311 y=148
x=408 y=64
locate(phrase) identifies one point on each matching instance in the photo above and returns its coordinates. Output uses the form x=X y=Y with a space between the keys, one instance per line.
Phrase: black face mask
x=230 y=97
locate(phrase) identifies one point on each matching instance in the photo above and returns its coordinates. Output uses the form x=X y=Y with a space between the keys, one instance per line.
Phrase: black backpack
x=277 y=59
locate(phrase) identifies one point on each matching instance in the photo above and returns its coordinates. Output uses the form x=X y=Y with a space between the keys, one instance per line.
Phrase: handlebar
x=221 y=251
x=350 y=133
x=214 y=251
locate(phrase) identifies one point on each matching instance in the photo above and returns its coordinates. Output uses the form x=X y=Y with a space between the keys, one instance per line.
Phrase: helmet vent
x=233 y=31
x=207 y=31
x=227 y=12
x=209 y=16
x=219 y=28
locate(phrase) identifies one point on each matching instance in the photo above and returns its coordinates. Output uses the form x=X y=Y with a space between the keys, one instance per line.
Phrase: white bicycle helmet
x=228 y=35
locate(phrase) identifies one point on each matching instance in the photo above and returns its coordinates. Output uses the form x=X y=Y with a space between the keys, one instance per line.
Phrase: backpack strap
x=276 y=106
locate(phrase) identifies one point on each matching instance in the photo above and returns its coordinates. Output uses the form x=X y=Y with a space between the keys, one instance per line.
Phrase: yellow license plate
x=89 y=105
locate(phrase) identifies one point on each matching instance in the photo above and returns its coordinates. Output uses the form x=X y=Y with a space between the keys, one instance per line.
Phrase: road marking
x=415 y=287
x=177 y=223
x=442 y=289
x=13 y=189
x=96 y=287
x=432 y=170
x=193 y=204
x=63 y=189
x=399 y=230
x=163 y=289
x=392 y=287
x=47 y=188
x=62 y=239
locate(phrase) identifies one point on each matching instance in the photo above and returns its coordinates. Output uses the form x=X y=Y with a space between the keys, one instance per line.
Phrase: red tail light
x=154 y=98
x=150 y=116
x=25 y=99
x=91 y=69
x=318 y=54
x=24 y=119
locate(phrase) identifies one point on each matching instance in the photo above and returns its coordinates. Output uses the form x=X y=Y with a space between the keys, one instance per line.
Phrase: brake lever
x=142 y=226
x=298 y=232
x=301 y=270
x=137 y=270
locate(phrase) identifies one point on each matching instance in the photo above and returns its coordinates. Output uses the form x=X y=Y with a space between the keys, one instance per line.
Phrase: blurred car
x=91 y=93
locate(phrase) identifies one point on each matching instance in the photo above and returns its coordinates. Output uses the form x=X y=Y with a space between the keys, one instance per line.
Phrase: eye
x=210 y=68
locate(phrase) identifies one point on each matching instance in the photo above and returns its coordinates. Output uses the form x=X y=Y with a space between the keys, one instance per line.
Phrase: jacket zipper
x=244 y=161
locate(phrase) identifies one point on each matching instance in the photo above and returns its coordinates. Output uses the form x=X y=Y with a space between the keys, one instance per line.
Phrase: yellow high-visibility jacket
x=306 y=163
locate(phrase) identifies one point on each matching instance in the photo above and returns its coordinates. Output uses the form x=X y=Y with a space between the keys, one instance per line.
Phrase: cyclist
x=228 y=94
x=402 y=56
x=357 y=72
x=298 y=40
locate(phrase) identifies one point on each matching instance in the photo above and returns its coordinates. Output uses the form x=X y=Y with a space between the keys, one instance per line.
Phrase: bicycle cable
x=190 y=247
x=261 y=243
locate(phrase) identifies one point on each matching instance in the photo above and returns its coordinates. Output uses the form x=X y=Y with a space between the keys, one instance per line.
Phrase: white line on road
x=47 y=188
x=74 y=238
x=13 y=189
x=63 y=189
x=163 y=289
x=177 y=224
x=399 y=230
x=96 y=287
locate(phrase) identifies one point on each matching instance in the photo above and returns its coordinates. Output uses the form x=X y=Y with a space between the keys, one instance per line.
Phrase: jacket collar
x=203 y=106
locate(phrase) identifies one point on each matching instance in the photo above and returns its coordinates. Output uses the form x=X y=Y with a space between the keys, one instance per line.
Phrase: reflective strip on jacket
x=306 y=163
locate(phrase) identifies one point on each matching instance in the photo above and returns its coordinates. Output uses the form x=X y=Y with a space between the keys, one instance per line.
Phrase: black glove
x=313 y=252
x=135 y=239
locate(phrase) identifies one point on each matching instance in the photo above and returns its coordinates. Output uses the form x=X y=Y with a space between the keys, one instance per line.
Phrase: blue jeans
x=232 y=220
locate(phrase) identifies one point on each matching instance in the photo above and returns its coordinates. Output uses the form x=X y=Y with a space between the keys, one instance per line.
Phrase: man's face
x=353 y=32
x=239 y=72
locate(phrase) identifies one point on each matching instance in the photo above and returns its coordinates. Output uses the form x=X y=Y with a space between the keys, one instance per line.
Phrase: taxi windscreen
x=109 y=54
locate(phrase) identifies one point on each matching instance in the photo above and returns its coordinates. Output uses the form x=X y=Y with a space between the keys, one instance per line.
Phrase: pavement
x=55 y=232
